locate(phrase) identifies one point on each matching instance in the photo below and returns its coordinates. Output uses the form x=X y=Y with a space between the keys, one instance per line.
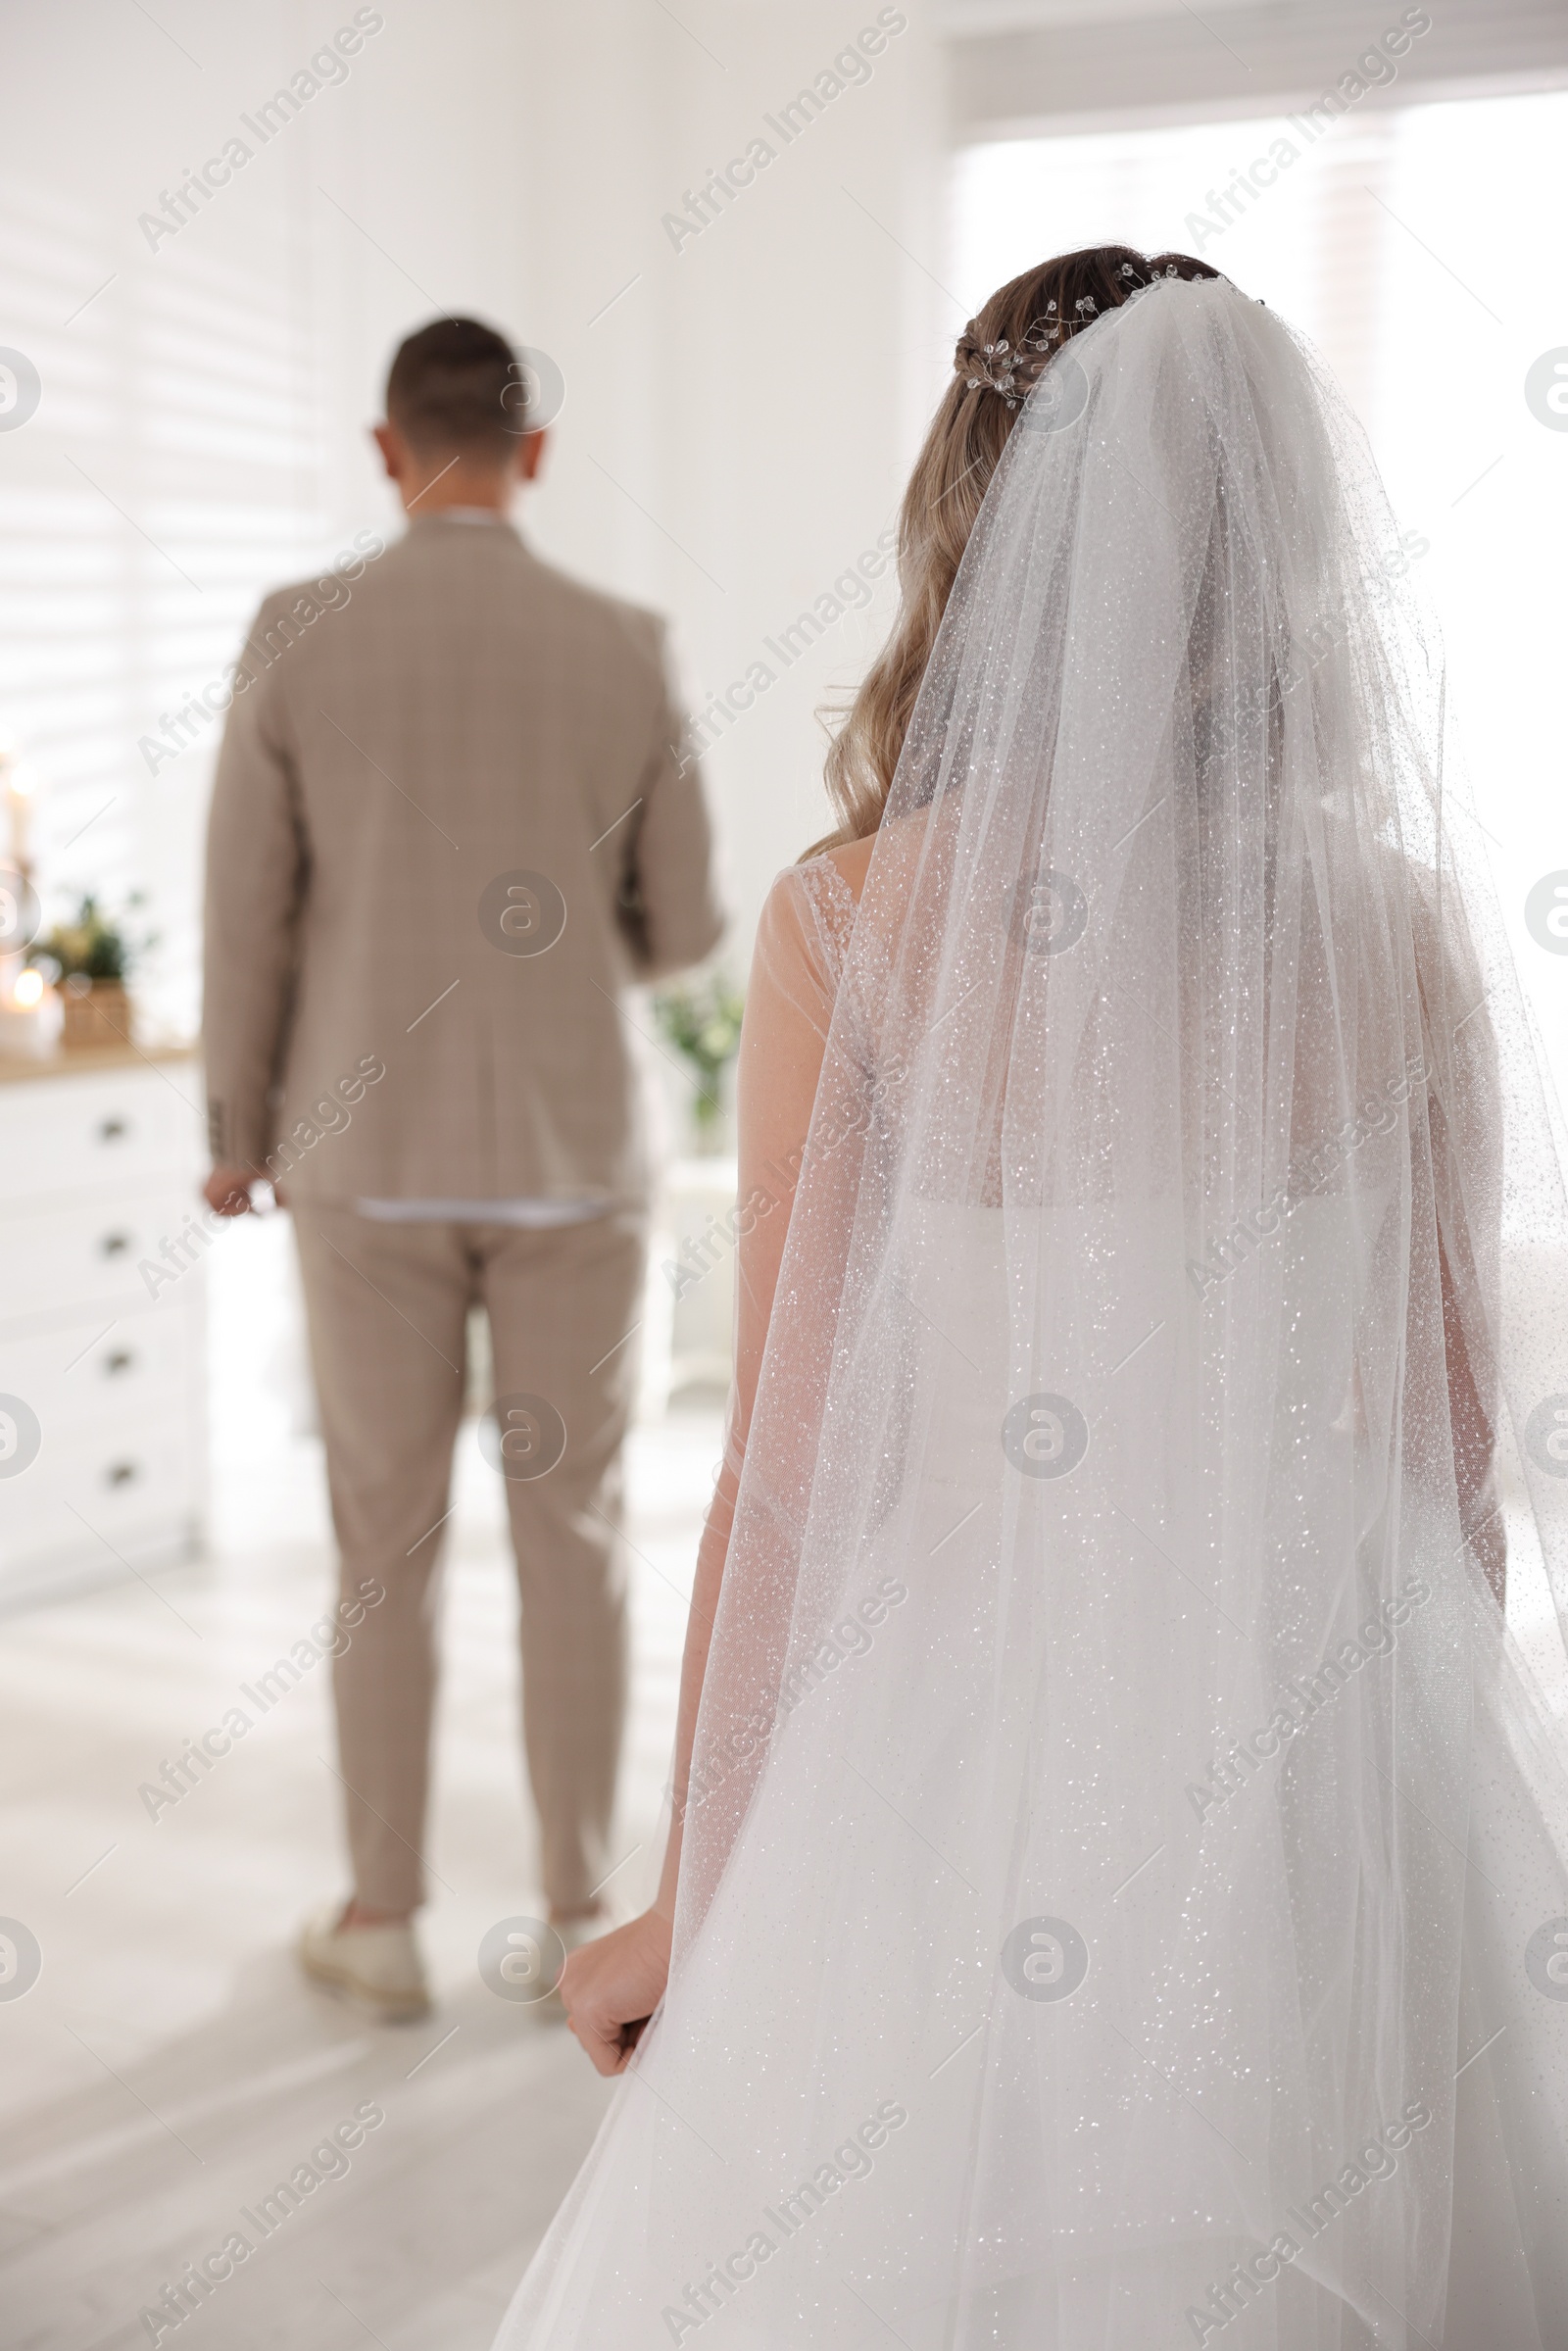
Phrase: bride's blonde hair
x=998 y=357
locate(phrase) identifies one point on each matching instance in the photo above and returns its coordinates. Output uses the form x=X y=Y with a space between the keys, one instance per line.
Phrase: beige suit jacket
x=452 y=823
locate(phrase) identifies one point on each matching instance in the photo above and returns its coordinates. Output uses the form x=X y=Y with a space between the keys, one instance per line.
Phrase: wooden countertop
x=89 y=1061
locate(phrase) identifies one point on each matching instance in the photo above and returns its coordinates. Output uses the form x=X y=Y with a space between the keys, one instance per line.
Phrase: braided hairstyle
x=999 y=358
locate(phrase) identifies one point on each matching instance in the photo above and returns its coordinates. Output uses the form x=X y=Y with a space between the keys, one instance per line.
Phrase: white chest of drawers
x=102 y=1467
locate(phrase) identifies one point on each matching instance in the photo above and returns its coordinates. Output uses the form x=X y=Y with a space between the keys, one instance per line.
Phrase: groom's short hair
x=455 y=387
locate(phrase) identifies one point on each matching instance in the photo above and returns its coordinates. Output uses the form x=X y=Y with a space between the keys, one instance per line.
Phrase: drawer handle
x=113 y=1130
x=114 y=1245
x=122 y=1473
x=121 y=1360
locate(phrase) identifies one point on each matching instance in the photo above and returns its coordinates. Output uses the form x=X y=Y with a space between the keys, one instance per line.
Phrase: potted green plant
x=702 y=1019
x=91 y=959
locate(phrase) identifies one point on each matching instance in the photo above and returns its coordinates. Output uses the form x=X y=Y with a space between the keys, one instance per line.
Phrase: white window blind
x=171 y=470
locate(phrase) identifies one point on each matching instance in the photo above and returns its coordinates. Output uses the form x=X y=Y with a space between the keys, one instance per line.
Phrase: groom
x=452 y=823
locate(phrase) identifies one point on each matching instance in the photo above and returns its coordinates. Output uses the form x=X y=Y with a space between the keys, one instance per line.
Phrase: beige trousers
x=387 y=1308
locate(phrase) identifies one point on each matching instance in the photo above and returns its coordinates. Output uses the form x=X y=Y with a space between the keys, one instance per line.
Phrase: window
x=171 y=470
x=1420 y=248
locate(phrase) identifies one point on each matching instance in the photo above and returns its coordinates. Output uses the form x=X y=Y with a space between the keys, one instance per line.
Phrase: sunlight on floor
x=169 y=2067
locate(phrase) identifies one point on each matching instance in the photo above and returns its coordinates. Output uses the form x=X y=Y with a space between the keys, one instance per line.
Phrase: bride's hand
x=611 y=1987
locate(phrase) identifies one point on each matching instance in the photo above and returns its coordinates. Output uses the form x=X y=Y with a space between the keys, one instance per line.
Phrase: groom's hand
x=228 y=1191
x=611 y=1987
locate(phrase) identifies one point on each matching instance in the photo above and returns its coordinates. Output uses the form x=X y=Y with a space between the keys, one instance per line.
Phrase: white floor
x=170 y=2066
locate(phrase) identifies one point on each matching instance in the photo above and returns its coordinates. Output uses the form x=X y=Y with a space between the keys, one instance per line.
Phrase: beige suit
x=463 y=715
x=451 y=822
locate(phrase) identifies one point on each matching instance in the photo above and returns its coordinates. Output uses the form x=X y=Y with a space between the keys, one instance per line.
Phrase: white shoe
x=378 y=1968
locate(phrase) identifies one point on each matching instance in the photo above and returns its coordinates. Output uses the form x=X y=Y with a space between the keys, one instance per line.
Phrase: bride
x=1114 y=1892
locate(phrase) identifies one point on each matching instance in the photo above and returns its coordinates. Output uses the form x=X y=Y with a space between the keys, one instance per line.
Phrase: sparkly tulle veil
x=1122 y=1896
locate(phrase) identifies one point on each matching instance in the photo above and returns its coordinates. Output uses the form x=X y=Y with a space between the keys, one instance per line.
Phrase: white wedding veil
x=1149 y=1928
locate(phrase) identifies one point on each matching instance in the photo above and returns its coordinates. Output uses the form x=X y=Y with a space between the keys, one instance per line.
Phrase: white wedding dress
x=1122 y=1895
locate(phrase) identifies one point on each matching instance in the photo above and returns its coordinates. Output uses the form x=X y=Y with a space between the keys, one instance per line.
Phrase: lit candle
x=21 y=790
x=30 y=1012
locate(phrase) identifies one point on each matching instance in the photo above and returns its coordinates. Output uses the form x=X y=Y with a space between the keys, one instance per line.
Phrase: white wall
x=736 y=425
x=749 y=391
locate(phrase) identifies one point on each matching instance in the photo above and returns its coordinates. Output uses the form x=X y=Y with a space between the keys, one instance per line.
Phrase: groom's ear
x=394 y=450
x=531 y=455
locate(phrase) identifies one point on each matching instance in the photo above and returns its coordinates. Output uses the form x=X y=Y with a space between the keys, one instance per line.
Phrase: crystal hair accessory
x=1000 y=367
x=1012 y=371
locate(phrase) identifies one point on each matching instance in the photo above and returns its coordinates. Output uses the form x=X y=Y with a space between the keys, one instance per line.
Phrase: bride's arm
x=610 y=1984
x=1475 y=1445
